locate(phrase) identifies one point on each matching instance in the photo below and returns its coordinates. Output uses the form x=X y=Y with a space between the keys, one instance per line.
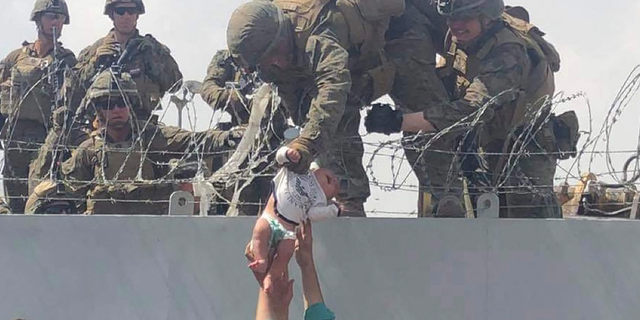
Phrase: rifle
x=55 y=73
x=55 y=77
x=126 y=55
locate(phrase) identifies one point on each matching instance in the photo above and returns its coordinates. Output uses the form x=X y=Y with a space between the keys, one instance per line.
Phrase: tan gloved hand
x=303 y=146
x=107 y=53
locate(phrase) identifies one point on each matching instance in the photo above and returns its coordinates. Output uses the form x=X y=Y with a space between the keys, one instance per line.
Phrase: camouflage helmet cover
x=253 y=32
x=111 y=84
x=463 y=9
x=108 y=83
x=108 y=6
x=53 y=6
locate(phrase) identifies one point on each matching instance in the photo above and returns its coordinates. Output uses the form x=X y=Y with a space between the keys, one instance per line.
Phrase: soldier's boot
x=352 y=208
x=450 y=206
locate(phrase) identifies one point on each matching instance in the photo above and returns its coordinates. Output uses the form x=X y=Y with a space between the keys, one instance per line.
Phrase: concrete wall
x=105 y=268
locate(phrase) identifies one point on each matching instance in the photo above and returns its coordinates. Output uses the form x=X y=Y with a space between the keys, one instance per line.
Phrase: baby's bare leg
x=284 y=252
x=260 y=246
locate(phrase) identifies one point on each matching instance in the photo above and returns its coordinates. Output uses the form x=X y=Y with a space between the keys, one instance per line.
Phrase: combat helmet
x=254 y=30
x=47 y=199
x=53 y=6
x=111 y=3
x=113 y=84
x=463 y=9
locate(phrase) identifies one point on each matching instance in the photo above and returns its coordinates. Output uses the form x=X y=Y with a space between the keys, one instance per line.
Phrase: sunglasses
x=122 y=10
x=54 y=16
x=110 y=104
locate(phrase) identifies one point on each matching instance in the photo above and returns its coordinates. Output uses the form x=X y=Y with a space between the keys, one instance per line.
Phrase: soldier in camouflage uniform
x=119 y=169
x=27 y=96
x=216 y=92
x=412 y=43
x=150 y=63
x=65 y=134
x=325 y=72
x=492 y=54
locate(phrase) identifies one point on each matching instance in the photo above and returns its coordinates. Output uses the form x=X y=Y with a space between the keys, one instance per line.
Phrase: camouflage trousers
x=254 y=197
x=344 y=158
x=22 y=140
x=438 y=172
x=411 y=47
x=527 y=189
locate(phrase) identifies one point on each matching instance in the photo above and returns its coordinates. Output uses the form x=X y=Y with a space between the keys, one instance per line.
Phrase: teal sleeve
x=319 y=311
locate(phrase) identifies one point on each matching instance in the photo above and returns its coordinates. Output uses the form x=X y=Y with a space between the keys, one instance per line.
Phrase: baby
x=295 y=198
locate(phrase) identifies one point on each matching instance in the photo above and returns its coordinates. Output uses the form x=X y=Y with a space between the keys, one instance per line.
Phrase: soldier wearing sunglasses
x=28 y=80
x=123 y=167
x=150 y=64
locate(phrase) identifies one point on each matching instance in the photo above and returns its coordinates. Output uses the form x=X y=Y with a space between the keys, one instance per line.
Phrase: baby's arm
x=284 y=252
x=286 y=155
x=324 y=212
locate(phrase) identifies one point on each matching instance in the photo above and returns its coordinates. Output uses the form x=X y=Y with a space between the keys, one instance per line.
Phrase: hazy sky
x=598 y=41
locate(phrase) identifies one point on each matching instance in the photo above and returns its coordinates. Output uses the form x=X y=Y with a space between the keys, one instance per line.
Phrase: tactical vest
x=27 y=95
x=142 y=197
x=537 y=87
x=120 y=161
x=367 y=21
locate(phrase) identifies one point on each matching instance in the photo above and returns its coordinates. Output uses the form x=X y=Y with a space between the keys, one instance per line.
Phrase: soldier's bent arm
x=78 y=171
x=210 y=141
x=6 y=64
x=219 y=72
x=5 y=73
x=502 y=75
x=329 y=61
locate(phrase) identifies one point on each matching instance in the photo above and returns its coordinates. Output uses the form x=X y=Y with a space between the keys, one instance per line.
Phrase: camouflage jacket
x=215 y=93
x=131 y=170
x=502 y=67
x=25 y=92
x=153 y=69
x=316 y=87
